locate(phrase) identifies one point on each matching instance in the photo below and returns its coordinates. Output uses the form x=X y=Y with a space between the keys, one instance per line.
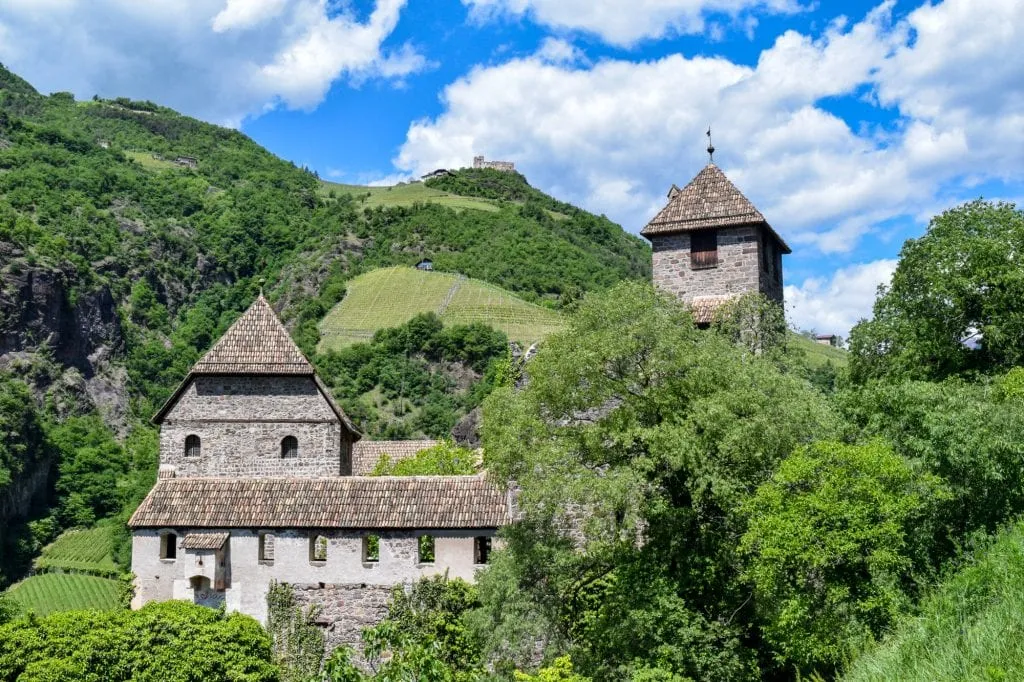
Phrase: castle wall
x=241 y=421
x=738 y=269
x=249 y=578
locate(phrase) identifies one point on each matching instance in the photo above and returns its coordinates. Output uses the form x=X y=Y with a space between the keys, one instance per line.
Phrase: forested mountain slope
x=121 y=260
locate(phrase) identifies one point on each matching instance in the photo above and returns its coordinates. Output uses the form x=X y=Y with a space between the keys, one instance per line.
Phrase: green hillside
x=405 y=194
x=137 y=265
x=816 y=354
x=390 y=297
x=49 y=592
x=969 y=629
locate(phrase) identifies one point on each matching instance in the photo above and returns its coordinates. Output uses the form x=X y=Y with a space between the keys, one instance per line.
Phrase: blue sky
x=848 y=124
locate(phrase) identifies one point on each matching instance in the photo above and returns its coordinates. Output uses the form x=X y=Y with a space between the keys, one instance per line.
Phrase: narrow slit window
x=192 y=445
x=481 y=550
x=318 y=548
x=266 y=552
x=426 y=549
x=289 y=447
x=371 y=549
x=704 y=250
x=169 y=546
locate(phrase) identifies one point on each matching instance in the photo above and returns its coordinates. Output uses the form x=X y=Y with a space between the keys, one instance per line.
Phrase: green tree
x=753 y=321
x=444 y=459
x=170 y=642
x=830 y=548
x=965 y=433
x=635 y=444
x=954 y=304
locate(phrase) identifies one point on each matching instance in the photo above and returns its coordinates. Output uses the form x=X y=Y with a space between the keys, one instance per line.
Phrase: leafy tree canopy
x=635 y=445
x=954 y=305
x=162 y=642
x=831 y=546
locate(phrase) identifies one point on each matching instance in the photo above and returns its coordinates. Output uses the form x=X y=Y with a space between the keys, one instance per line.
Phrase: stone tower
x=710 y=245
x=254 y=407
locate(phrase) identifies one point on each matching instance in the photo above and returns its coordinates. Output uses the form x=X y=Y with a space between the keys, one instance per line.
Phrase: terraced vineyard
x=49 y=592
x=86 y=551
x=406 y=195
x=390 y=296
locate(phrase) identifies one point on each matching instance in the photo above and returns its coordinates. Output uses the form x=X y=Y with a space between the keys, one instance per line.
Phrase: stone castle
x=262 y=478
x=506 y=166
x=710 y=245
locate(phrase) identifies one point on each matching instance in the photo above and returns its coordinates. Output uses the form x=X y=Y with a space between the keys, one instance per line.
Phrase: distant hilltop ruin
x=506 y=166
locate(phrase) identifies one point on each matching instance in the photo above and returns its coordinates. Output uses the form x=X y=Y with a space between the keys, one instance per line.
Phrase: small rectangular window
x=318 y=548
x=371 y=549
x=778 y=265
x=481 y=550
x=704 y=249
x=426 y=549
x=168 y=546
x=266 y=553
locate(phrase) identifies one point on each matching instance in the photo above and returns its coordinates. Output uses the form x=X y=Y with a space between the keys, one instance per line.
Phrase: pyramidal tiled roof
x=710 y=200
x=257 y=343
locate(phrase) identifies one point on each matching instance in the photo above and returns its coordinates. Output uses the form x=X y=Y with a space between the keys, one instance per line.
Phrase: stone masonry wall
x=345 y=609
x=738 y=268
x=241 y=422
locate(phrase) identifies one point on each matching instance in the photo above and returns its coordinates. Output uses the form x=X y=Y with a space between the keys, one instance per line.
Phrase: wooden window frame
x=704 y=249
x=289 y=447
x=193 y=446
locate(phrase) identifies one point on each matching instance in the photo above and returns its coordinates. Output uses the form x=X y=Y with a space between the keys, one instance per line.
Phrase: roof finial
x=711 y=147
x=262 y=281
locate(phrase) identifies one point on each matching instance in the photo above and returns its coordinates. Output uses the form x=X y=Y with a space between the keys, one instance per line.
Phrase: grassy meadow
x=971 y=628
x=406 y=195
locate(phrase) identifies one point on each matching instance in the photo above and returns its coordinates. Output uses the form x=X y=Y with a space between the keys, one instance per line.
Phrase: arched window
x=192 y=446
x=289 y=446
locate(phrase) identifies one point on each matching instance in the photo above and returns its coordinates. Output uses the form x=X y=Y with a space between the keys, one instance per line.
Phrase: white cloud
x=221 y=60
x=624 y=22
x=558 y=51
x=242 y=14
x=833 y=306
x=614 y=135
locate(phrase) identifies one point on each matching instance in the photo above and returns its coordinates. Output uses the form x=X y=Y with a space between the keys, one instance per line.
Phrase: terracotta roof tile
x=378 y=502
x=366 y=453
x=257 y=343
x=204 y=540
x=703 y=308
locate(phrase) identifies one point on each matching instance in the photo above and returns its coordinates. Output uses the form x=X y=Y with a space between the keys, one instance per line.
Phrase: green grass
x=88 y=551
x=146 y=160
x=406 y=195
x=971 y=628
x=818 y=354
x=390 y=296
x=43 y=594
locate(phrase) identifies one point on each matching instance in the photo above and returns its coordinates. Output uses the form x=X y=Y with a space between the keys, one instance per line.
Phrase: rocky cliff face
x=78 y=331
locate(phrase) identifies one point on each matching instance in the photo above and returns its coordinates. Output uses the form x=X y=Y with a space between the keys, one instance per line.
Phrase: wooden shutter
x=704 y=249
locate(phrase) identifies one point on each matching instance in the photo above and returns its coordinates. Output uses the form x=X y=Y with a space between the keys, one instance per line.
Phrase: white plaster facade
x=247 y=578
